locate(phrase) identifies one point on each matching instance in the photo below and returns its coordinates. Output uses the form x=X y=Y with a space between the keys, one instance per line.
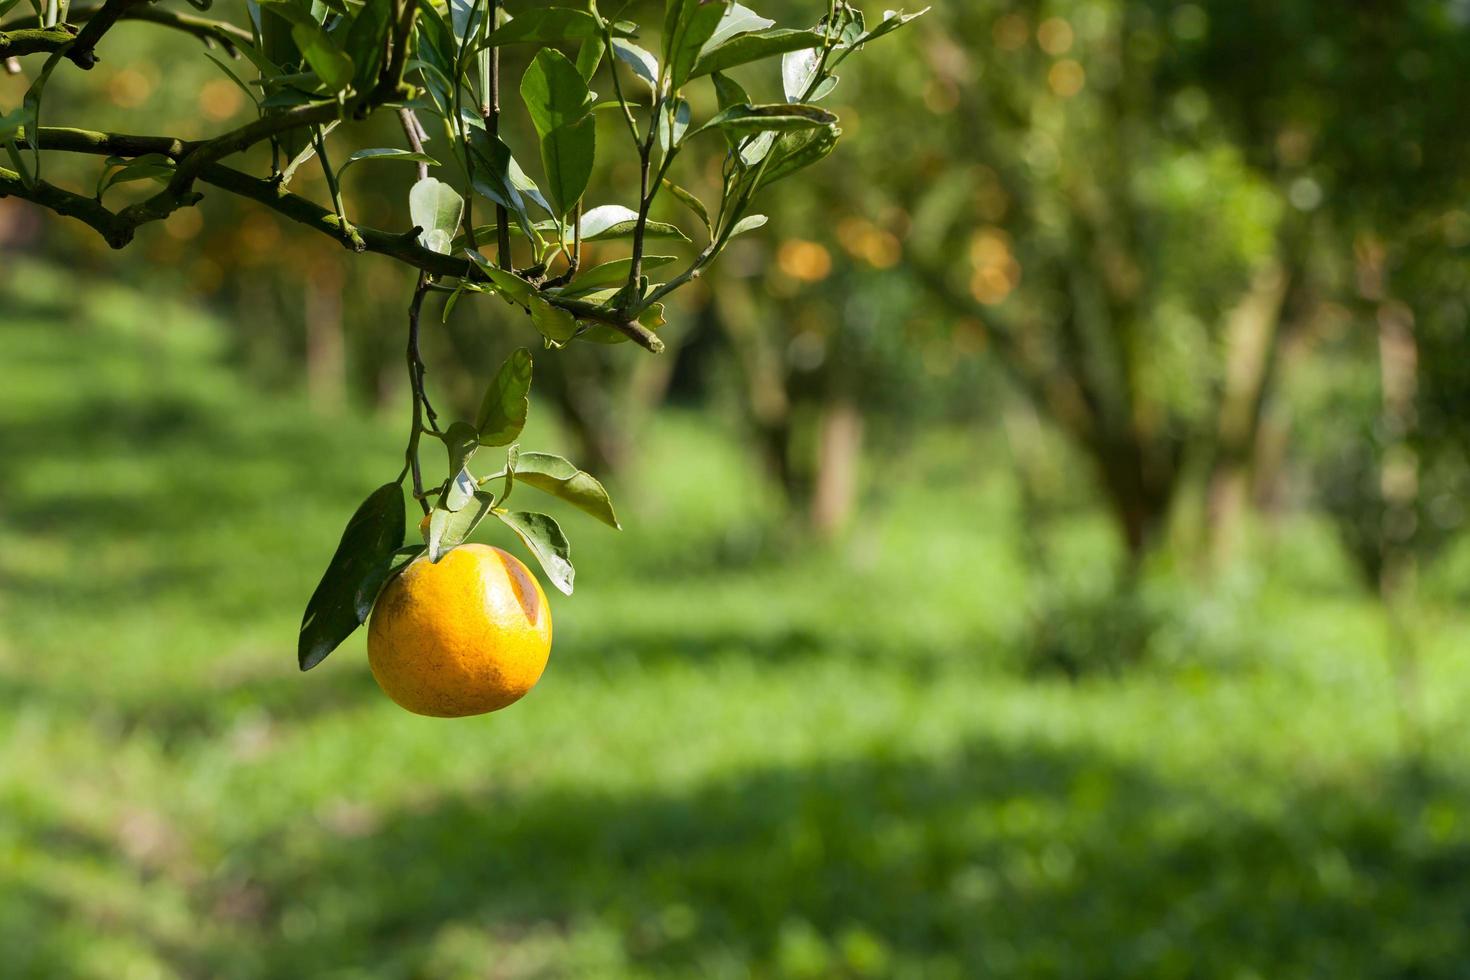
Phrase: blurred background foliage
x=1045 y=553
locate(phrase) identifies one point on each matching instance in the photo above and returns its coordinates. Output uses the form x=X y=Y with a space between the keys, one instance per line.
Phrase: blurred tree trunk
x=585 y=399
x=1398 y=360
x=1252 y=334
x=326 y=357
x=839 y=458
x=763 y=369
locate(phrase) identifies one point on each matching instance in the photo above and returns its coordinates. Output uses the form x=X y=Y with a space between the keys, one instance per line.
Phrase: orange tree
x=324 y=65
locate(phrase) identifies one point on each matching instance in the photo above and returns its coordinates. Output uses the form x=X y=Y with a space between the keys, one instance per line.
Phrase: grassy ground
x=738 y=763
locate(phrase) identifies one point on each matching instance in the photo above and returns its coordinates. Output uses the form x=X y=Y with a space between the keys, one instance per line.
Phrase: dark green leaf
x=749 y=120
x=332 y=614
x=545 y=25
x=388 y=153
x=688 y=24
x=366 y=42
x=508 y=284
x=503 y=410
x=496 y=176
x=331 y=64
x=149 y=166
x=380 y=575
x=543 y=536
x=567 y=153
x=558 y=477
x=746 y=48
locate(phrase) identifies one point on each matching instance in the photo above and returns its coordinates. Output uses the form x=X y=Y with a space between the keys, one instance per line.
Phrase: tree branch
x=115 y=229
x=83 y=53
x=217 y=31
x=34 y=40
x=118 y=229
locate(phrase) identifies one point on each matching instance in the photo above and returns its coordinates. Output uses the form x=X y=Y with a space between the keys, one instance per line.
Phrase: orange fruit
x=468 y=635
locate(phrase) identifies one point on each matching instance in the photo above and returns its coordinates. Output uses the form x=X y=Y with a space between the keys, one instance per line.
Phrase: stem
x=490 y=112
x=410 y=124
x=645 y=198
x=416 y=381
x=332 y=187
x=612 y=69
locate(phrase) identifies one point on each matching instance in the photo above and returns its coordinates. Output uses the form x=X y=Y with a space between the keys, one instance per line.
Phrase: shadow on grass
x=995 y=860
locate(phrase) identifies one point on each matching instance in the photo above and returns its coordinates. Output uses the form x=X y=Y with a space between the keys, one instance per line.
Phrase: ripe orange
x=468 y=635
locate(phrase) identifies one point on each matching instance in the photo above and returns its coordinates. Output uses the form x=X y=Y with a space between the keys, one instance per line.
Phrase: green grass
x=742 y=760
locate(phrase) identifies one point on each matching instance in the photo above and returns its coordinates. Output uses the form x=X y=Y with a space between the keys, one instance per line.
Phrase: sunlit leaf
x=506 y=402
x=543 y=536
x=558 y=477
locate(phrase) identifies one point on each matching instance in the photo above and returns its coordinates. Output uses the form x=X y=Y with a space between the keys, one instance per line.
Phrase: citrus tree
x=476 y=223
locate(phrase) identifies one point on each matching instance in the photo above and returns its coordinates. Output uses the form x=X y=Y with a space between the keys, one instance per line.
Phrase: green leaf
x=615 y=273
x=616 y=221
x=31 y=108
x=673 y=123
x=380 y=575
x=688 y=24
x=746 y=48
x=333 y=612
x=567 y=153
x=729 y=92
x=691 y=202
x=797 y=151
x=748 y=120
x=448 y=529
x=546 y=25
x=387 y=153
x=331 y=64
x=558 y=477
x=555 y=324
x=462 y=442
x=503 y=410
x=601 y=333
x=798 y=72
x=544 y=537
x=748 y=223
x=435 y=208
x=738 y=19
x=511 y=286
x=554 y=92
x=589 y=58
x=366 y=42
x=149 y=166
x=642 y=62
x=494 y=175
x=892 y=21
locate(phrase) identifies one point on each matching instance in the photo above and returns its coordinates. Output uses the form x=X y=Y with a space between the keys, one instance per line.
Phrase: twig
x=416 y=381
